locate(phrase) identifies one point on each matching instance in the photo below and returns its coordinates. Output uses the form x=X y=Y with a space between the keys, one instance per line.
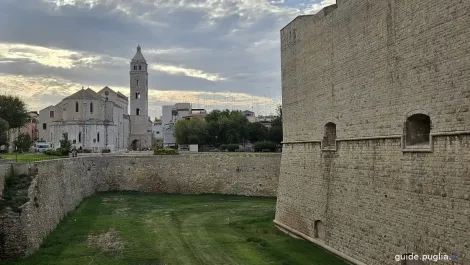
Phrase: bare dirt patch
x=108 y=242
x=121 y=211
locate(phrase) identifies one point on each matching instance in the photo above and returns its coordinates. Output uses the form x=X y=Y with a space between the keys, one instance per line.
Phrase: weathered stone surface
x=60 y=185
x=366 y=66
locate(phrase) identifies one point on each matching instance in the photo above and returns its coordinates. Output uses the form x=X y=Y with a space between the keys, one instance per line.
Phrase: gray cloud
x=236 y=40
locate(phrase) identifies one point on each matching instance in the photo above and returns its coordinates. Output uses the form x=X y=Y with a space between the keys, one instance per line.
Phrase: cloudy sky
x=212 y=53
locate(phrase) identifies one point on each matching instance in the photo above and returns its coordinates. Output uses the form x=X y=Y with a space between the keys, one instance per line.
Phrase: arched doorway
x=135 y=144
x=320 y=232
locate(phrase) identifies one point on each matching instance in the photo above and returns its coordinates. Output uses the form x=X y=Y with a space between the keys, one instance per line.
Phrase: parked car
x=40 y=147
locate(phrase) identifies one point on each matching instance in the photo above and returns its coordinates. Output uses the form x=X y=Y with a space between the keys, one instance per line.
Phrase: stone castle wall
x=60 y=185
x=367 y=66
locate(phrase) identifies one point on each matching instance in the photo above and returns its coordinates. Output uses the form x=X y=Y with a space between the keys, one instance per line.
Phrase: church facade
x=99 y=120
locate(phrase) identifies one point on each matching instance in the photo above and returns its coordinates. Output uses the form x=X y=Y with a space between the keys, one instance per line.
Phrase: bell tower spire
x=139 y=84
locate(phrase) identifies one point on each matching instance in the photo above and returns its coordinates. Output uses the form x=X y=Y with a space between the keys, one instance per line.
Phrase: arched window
x=91 y=107
x=98 y=137
x=137 y=112
x=329 y=136
x=79 y=137
x=140 y=67
x=137 y=81
x=76 y=106
x=135 y=67
x=137 y=95
x=418 y=130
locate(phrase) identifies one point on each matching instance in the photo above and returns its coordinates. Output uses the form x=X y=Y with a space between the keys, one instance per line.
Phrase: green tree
x=23 y=142
x=256 y=132
x=278 y=120
x=226 y=127
x=275 y=134
x=13 y=111
x=3 y=132
x=191 y=131
x=65 y=143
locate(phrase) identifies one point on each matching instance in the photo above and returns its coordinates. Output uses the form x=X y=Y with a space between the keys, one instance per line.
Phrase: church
x=100 y=120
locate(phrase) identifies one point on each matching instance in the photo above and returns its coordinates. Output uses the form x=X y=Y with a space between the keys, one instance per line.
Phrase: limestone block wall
x=376 y=201
x=60 y=185
x=367 y=66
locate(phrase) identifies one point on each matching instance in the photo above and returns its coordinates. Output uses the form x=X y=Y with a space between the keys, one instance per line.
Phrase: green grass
x=158 y=229
x=28 y=157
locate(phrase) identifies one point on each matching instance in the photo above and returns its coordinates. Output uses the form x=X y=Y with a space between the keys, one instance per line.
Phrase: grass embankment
x=29 y=157
x=155 y=229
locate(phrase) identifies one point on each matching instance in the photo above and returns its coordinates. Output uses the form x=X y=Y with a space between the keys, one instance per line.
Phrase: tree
x=13 y=111
x=3 y=132
x=65 y=143
x=191 y=131
x=256 y=132
x=23 y=142
x=278 y=120
x=226 y=127
x=275 y=134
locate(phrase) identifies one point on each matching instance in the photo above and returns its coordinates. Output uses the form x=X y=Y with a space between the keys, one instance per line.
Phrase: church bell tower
x=140 y=124
x=139 y=84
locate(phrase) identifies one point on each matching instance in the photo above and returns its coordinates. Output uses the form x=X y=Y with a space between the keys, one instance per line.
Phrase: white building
x=157 y=131
x=101 y=120
x=174 y=113
x=91 y=120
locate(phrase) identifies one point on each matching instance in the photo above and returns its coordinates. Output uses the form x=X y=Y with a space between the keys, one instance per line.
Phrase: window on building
x=51 y=114
x=44 y=126
x=135 y=67
x=76 y=106
x=137 y=112
x=137 y=95
x=418 y=130
x=91 y=107
x=329 y=136
x=137 y=81
x=140 y=67
x=98 y=137
x=79 y=137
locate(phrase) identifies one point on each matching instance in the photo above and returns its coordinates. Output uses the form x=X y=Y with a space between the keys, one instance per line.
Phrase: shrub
x=232 y=147
x=265 y=146
x=58 y=152
x=86 y=150
x=63 y=151
x=223 y=147
x=105 y=150
x=165 y=151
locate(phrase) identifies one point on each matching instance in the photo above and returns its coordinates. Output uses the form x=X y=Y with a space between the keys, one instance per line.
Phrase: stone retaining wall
x=60 y=185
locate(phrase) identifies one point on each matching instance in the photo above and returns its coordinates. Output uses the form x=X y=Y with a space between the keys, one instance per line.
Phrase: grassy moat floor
x=156 y=229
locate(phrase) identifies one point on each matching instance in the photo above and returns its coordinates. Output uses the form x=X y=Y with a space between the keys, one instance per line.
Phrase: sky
x=215 y=54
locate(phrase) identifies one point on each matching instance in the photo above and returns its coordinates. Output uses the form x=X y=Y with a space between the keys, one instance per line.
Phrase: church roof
x=84 y=94
x=138 y=57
